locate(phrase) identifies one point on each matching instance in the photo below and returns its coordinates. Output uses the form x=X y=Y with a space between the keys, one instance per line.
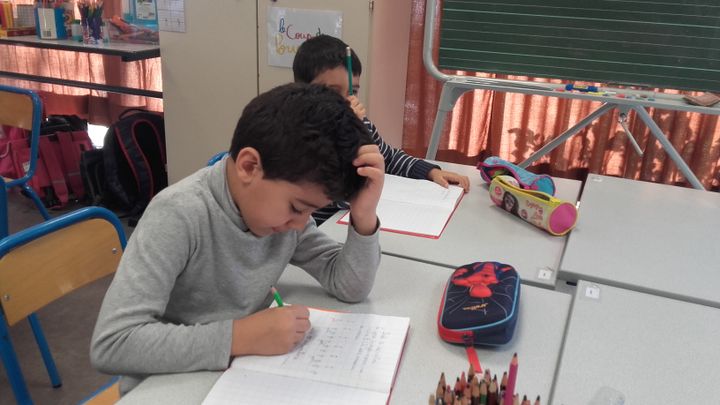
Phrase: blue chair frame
x=36 y=120
x=3 y=210
x=216 y=158
x=7 y=244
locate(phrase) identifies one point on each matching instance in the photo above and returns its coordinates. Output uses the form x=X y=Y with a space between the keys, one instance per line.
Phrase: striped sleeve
x=398 y=162
x=323 y=214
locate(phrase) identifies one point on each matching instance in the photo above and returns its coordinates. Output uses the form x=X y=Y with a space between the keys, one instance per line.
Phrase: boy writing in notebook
x=193 y=287
x=322 y=60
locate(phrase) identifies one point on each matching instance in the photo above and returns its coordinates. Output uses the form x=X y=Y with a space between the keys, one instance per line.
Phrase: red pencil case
x=480 y=304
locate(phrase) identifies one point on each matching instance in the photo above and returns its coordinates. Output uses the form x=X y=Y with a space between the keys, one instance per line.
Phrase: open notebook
x=345 y=359
x=415 y=207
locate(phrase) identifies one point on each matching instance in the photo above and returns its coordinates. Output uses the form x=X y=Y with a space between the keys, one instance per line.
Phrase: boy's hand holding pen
x=370 y=164
x=357 y=107
x=271 y=331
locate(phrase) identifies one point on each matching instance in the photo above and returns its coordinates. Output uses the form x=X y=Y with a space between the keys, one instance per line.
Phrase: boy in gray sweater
x=193 y=286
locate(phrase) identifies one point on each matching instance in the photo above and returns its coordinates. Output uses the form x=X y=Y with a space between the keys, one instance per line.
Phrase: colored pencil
x=348 y=60
x=512 y=378
x=276 y=296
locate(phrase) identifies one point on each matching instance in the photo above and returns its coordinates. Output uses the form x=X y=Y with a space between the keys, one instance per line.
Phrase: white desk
x=648 y=237
x=653 y=350
x=481 y=231
x=409 y=288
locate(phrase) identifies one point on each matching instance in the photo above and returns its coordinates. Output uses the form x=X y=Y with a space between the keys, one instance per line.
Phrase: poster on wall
x=287 y=28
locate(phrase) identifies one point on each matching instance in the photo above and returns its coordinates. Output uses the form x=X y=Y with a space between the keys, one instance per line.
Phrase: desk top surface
x=649 y=349
x=648 y=237
x=127 y=51
x=537 y=340
x=480 y=231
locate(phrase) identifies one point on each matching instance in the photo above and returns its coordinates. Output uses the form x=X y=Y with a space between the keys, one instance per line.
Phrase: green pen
x=348 y=60
x=276 y=295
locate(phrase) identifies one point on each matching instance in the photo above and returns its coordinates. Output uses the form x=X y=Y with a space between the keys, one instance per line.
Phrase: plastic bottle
x=104 y=32
x=76 y=30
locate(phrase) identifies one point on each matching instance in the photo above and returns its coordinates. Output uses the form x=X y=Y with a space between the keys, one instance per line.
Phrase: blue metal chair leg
x=12 y=367
x=45 y=351
x=38 y=203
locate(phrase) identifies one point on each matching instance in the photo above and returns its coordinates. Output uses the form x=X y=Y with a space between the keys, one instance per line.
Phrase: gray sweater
x=192 y=266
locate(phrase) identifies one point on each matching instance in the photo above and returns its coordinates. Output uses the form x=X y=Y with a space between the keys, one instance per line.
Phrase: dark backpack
x=92 y=170
x=134 y=162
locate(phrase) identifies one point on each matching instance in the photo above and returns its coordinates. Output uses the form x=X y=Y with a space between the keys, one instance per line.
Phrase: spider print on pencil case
x=479 y=294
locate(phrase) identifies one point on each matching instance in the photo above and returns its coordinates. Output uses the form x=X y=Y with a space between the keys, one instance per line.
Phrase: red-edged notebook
x=346 y=358
x=414 y=207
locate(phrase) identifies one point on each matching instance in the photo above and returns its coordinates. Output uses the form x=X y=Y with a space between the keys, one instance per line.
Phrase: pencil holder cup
x=92 y=31
x=91 y=23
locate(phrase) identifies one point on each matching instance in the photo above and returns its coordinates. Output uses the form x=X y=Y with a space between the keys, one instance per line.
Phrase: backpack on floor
x=134 y=161
x=63 y=138
x=57 y=175
x=92 y=171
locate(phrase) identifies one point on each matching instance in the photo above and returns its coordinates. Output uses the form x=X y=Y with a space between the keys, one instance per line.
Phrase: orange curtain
x=98 y=106
x=513 y=126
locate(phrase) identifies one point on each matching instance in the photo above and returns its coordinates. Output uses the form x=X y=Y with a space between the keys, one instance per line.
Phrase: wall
x=212 y=71
x=389 y=44
x=209 y=75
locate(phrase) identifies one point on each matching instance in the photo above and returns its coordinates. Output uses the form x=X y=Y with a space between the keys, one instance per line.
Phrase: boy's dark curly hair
x=319 y=54
x=304 y=133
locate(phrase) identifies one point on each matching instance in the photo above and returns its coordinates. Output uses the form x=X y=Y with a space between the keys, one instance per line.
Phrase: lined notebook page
x=238 y=386
x=347 y=355
x=415 y=206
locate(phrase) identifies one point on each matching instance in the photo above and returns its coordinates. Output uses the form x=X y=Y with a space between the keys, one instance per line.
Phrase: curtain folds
x=513 y=126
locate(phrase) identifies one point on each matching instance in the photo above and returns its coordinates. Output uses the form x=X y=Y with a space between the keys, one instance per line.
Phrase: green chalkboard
x=655 y=43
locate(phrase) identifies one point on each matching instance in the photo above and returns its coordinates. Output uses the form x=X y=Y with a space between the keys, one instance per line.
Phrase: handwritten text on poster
x=287 y=28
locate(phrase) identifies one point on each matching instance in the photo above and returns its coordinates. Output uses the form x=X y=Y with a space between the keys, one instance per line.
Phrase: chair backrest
x=17 y=107
x=22 y=108
x=51 y=259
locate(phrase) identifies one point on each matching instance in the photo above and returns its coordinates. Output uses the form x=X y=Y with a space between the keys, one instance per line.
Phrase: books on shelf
x=415 y=207
x=346 y=358
x=16 y=32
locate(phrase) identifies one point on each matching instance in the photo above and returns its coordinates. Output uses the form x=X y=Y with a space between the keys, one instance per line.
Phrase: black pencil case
x=480 y=304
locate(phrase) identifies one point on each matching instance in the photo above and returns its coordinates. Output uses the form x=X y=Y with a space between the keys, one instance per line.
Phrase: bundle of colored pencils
x=91 y=17
x=481 y=389
x=90 y=9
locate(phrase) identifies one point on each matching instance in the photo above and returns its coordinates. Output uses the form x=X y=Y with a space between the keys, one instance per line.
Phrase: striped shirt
x=397 y=162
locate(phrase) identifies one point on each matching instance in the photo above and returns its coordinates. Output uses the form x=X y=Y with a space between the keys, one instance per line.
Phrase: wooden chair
x=22 y=108
x=108 y=394
x=47 y=261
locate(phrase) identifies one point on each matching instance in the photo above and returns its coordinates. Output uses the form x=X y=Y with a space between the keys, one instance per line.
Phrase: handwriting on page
x=348 y=349
x=327 y=347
